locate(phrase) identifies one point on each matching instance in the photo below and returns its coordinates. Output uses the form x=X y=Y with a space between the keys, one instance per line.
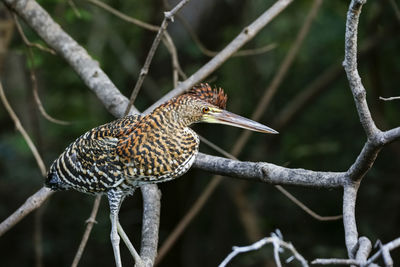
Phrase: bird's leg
x=115 y=198
x=131 y=248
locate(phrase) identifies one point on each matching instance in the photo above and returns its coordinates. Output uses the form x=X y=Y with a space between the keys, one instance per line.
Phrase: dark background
x=323 y=135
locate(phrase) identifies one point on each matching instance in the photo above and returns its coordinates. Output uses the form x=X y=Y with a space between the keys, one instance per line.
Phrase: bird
x=116 y=158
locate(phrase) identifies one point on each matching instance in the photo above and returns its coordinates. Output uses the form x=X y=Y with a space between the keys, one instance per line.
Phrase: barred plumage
x=119 y=156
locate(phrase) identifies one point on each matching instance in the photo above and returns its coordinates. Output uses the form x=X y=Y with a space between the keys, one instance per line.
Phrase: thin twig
x=168 y=16
x=90 y=222
x=167 y=40
x=27 y=42
x=389 y=246
x=124 y=17
x=24 y=134
x=33 y=76
x=36 y=93
x=276 y=240
x=210 y=53
x=255 y=51
x=176 y=67
x=389 y=98
x=305 y=208
x=131 y=248
x=39 y=102
x=72 y=4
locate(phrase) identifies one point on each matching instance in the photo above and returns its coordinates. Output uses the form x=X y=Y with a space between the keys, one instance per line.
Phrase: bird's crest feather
x=216 y=97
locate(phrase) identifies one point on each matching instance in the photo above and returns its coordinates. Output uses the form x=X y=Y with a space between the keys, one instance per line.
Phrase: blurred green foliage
x=324 y=135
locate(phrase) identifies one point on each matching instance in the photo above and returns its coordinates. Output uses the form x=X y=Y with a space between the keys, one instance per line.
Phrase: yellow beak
x=221 y=116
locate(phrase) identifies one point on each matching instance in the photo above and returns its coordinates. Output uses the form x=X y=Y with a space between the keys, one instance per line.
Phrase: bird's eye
x=205 y=110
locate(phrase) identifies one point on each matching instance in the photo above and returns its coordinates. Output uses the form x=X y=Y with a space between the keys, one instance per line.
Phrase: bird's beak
x=225 y=117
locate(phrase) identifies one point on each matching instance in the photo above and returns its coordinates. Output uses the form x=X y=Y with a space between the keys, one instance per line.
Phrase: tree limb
x=350 y=66
x=268 y=172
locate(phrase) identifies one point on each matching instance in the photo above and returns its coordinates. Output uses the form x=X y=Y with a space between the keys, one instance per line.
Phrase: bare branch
x=364 y=249
x=350 y=66
x=27 y=42
x=150 y=224
x=364 y=242
x=391 y=135
x=39 y=102
x=32 y=72
x=32 y=203
x=90 y=222
x=168 y=16
x=124 y=17
x=387 y=247
x=336 y=262
x=349 y=219
x=305 y=208
x=269 y=173
x=72 y=4
x=389 y=98
x=21 y=129
x=276 y=240
x=246 y=35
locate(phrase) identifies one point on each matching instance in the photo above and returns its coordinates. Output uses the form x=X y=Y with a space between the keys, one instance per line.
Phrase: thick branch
x=391 y=135
x=350 y=66
x=151 y=221
x=87 y=68
x=269 y=173
x=364 y=161
x=349 y=218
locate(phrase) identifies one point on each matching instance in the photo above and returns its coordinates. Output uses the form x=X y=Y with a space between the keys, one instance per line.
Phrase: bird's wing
x=90 y=164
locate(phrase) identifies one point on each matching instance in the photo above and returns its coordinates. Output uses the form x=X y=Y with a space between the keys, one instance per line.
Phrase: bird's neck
x=169 y=118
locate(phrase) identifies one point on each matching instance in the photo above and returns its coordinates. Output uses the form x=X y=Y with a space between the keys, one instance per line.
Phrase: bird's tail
x=53 y=181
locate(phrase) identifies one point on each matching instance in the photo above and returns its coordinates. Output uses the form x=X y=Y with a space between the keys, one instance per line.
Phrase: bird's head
x=203 y=104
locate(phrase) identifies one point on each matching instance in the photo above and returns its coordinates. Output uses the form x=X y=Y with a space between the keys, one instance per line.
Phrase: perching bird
x=119 y=156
